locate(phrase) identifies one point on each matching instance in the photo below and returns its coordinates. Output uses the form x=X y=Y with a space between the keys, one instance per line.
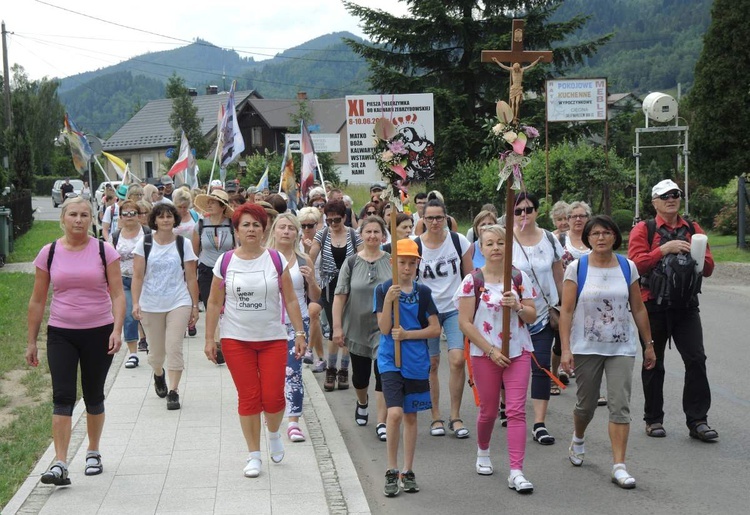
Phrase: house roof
x=327 y=113
x=150 y=128
x=617 y=98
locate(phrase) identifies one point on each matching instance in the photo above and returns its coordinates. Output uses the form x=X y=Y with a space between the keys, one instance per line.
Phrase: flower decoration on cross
x=518 y=141
x=390 y=153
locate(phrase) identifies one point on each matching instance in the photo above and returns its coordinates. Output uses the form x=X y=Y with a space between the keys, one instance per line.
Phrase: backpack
x=424 y=300
x=116 y=235
x=478 y=277
x=201 y=226
x=456 y=244
x=51 y=255
x=352 y=235
x=674 y=281
x=583 y=269
x=275 y=258
x=148 y=241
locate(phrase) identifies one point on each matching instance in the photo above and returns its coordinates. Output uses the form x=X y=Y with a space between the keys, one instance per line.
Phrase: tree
x=720 y=99
x=37 y=120
x=184 y=116
x=437 y=49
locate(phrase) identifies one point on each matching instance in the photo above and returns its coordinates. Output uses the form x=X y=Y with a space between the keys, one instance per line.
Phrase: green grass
x=22 y=443
x=27 y=246
x=15 y=291
x=724 y=249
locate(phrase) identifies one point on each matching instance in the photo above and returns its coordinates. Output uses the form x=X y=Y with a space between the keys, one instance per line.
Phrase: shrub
x=624 y=219
x=725 y=222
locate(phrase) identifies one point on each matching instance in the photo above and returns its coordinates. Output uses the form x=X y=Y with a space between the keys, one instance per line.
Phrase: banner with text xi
x=413 y=115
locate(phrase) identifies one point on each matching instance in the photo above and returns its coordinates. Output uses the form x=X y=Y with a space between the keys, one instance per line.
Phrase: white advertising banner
x=413 y=114
x=575 y=100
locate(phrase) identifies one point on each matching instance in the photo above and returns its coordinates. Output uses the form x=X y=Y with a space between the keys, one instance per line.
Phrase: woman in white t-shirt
x=125 y=239
x=481 y=320
x=599 y=337
x=257 y=300
x=285 y=237
x=165 y=298
x=441 y=268
x=538 y=253
x=311 y=221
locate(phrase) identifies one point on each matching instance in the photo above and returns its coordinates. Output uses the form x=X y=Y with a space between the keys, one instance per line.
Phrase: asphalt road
x=674 y=475
x=43 y=208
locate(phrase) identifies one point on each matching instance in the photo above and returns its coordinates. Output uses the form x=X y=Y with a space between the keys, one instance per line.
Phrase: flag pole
x=394 y=268
x=320 y=176
x=216 y=155
x=102 y=169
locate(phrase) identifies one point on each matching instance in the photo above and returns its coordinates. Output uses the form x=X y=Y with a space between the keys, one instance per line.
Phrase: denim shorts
x=130 y=325
x=453 y=335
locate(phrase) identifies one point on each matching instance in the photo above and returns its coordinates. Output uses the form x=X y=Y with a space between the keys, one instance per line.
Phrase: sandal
x=275 y=447
x=576 y=458
x=503 y=416
x=461 y=432
x=554 y=389
x=132 y=361
x=437 y=430
x=702 y=432
x=361 y=414
x=56 y=475
x=563 y=377
x=381 y=432
x=295 y=434
x=252 y=469
x=621 y=478
x=542 y=436
x=484 y=465
x=656 y=430
x=93 y=464
x=520 y=484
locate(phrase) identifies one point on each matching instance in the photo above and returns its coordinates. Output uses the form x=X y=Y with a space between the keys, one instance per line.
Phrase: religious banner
x=413 y=116
x=575 y=100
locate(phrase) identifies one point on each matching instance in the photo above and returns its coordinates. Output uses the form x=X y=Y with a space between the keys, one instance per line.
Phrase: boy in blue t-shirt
x=406 y=388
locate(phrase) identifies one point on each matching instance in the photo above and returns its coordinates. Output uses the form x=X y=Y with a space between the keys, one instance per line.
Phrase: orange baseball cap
x=407 y=247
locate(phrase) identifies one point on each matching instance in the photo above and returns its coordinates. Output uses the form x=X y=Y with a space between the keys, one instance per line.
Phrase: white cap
x=663 y=187
x=216 y=183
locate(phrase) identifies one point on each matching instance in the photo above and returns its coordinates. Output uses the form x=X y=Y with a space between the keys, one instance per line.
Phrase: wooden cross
x=516 y=56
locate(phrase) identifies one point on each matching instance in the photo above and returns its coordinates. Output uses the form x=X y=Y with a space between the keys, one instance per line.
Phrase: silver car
x=57 y=194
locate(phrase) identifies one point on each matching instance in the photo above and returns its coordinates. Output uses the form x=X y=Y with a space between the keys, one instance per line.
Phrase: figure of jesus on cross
x=516 y=56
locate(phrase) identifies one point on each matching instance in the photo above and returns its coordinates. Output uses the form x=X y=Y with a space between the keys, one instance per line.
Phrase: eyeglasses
x=521 y=210
x=671 y=195
x=336 y=220
x=601 y=234
x=307 y=226
x=434 y=219
x=318 y=204
x=577 y=217
x=129 y=214
x=370 y=213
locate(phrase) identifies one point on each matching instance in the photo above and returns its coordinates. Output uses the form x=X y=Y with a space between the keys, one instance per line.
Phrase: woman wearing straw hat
x=213 y=235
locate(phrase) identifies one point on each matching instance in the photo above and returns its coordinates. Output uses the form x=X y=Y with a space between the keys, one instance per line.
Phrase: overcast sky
x=48 y=37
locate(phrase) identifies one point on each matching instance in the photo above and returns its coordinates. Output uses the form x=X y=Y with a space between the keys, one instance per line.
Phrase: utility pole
x=6 y=81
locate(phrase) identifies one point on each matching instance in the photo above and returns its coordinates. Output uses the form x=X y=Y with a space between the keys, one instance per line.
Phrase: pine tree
x=437 y=49
x=720 y=98
x=184 y=116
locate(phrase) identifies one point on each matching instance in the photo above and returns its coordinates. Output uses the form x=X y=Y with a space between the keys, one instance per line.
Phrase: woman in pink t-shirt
x=85 y=322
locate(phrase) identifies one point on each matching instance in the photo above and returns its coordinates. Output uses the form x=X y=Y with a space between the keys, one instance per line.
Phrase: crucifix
x=516 y=56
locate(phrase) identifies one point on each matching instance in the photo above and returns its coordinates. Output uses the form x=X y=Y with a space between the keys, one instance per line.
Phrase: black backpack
x=674 y=281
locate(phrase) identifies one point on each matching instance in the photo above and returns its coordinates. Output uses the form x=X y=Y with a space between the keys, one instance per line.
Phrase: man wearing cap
x=168 y=184
x=375 y=190
x=650 y=243
x=112 y=213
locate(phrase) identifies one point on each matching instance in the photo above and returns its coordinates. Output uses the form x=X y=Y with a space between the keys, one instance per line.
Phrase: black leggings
x=66 y=348
x=361 y=370
x=205 y=277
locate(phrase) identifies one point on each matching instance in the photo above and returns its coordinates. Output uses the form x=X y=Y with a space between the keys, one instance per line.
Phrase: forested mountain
x=655 y=46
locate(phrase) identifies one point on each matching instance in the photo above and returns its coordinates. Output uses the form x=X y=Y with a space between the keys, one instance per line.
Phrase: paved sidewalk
x=191 y=460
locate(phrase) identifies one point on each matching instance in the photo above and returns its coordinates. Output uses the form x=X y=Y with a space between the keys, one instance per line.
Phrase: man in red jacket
x=651 y=242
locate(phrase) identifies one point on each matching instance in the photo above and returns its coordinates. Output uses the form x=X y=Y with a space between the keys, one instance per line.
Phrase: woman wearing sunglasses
x=355 y=325
x=539 y=254
x=334 y=243
x=310 y=221
x=125 y=239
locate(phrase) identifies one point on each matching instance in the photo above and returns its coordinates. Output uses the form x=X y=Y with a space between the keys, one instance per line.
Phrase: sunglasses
x=671 y=195
x=318 y=204
x=370 y=213
x=129 y=214
x=307 y=226
x=336 y=220
x=521 y=210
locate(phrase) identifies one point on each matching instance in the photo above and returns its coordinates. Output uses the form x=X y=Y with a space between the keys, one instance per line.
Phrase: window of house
x=256 y=136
